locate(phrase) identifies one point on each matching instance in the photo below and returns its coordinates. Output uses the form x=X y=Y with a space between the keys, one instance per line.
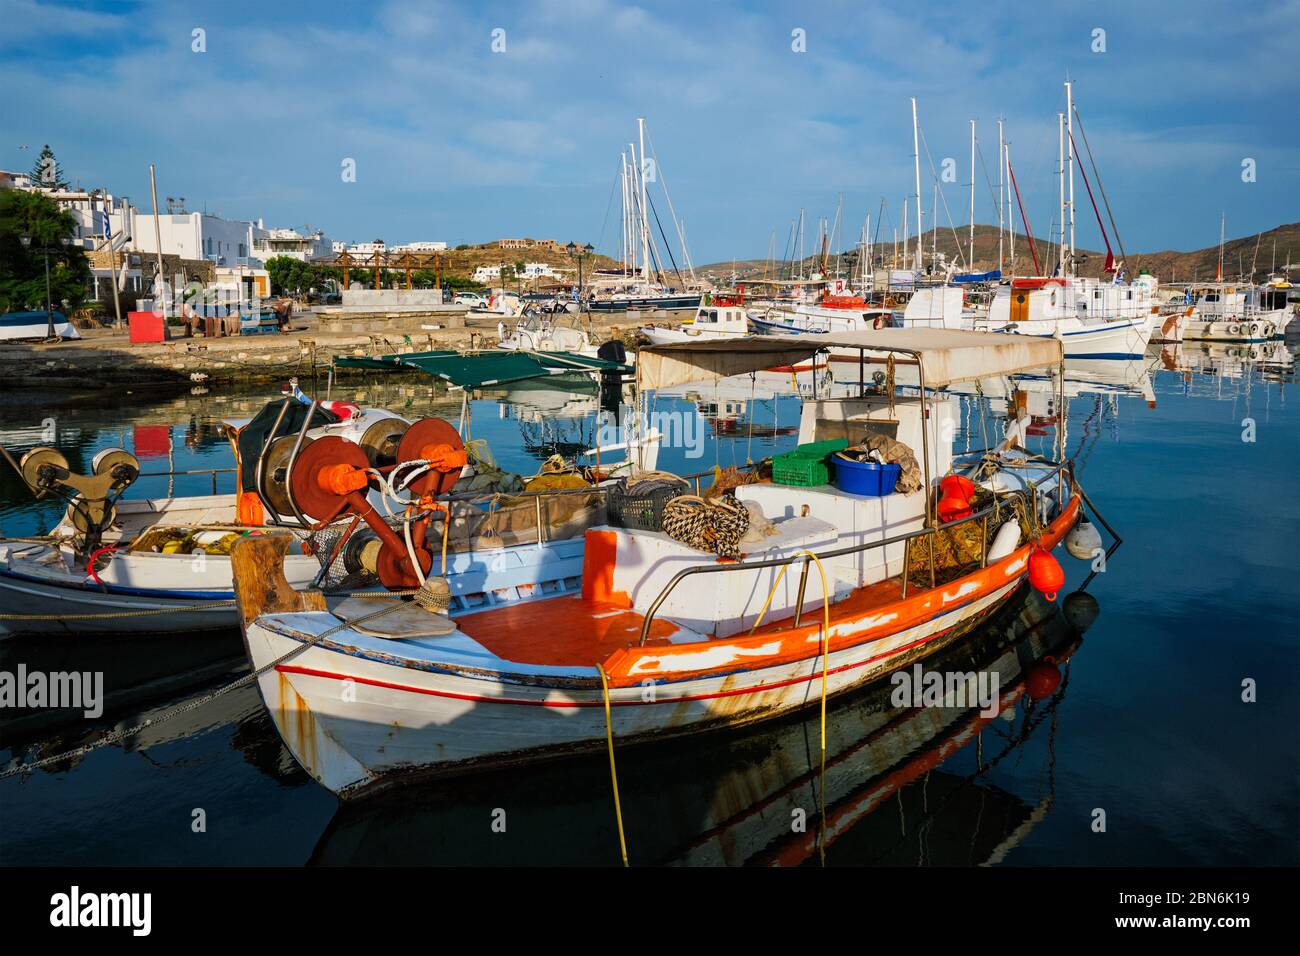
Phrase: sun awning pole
x=925 y=434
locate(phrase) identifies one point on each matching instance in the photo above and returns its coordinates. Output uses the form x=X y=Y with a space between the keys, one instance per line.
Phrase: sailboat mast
x=622 y=175
x=916 y=163
x=1011 y=213
x=1060 y=177
x=633 y=207
x=867 y=264
x=645 y=224
x=907 y=240
x=934 y=233
x=1069 y=148
x=972 y=195
x=1219 y=276
x=1002 y=204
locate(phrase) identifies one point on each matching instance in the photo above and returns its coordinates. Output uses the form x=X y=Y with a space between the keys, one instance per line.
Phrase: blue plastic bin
x=865 y=477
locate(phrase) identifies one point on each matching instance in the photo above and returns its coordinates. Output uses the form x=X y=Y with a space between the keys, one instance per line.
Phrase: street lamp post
x=64 y=241
x=579 y=253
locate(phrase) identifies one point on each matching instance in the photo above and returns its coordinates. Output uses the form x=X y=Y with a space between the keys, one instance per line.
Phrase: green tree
x=47 y=172
x=22 y=268
x=290 y=276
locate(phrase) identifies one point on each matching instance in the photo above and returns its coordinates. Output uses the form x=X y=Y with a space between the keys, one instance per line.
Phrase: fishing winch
x=376 y=431
x=332 y=476
x=91 y=498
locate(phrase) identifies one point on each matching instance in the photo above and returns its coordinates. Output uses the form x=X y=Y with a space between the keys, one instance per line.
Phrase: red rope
x=1110 y=256
x=1029 y=231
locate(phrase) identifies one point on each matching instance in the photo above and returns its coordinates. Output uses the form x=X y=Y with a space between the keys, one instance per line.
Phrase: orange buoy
x=1045 y=573
x=955 y=503
x=952 y=508
x=1042 y=679
x=957 y=485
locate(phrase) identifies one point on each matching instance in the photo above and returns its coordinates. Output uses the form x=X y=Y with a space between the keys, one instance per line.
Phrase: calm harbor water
x=1148 y=722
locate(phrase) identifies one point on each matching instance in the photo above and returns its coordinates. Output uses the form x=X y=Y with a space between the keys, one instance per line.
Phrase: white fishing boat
x=1093 y=318
x=35 y=326
x=1233 y=312
x=709 y=322
x=547 y=332
x=667 y=637
x=163 y=565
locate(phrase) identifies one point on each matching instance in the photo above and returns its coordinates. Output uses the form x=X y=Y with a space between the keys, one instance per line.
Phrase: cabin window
x=1053 y=300
x=1128 y=294
x=1212 y=297
x=1020 y=299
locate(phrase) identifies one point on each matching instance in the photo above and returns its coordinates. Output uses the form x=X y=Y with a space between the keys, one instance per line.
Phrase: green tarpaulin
x=480 y=369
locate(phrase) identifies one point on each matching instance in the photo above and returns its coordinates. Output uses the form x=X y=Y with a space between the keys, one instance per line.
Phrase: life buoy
x=1254 y=329
x=1234 y=330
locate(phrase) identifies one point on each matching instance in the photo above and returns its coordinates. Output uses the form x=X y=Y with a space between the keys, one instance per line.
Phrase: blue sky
x=455 y=142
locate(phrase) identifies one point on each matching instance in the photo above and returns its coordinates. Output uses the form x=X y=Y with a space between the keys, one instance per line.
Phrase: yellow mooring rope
x=613 y=772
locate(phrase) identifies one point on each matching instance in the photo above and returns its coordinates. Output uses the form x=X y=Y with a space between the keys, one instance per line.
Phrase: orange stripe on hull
x=853 y=622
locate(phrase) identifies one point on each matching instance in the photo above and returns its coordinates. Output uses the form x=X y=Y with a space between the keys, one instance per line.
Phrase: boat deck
x=586 y=632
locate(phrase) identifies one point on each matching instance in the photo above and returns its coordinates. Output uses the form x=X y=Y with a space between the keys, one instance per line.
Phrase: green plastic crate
x=806 y=465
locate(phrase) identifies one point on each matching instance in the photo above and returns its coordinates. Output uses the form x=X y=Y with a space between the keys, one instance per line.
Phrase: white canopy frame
x=942 y=357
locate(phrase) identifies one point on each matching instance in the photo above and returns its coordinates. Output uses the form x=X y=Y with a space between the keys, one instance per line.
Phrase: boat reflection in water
x=892 y=795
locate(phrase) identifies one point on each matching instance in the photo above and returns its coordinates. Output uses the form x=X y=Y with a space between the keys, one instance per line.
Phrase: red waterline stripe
x=477 y=698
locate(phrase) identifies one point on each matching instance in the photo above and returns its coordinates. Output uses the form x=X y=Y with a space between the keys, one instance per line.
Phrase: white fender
x=1005 y=541
x=1083 y=540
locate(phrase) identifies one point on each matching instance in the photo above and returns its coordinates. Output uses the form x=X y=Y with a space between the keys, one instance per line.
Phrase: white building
x=421 y=247
x=296 y=245
x=487 y=274
x=539 y=270
x=197 y=235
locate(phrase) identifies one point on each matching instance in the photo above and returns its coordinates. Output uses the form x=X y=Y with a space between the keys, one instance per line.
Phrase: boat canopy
x=946 y=355
x=481 y=369
x=967 y=277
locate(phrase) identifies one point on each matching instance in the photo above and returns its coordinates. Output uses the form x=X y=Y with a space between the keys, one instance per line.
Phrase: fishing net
x=959 y=550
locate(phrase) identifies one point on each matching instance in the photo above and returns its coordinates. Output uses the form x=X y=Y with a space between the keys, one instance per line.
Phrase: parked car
x=470 y=300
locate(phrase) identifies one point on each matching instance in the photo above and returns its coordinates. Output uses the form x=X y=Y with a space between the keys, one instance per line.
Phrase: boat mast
x=916 y=163
x=645 y=224
x=1069 y=147
x=907 y=240
x=934 y=232
x=867 y=263
x=1011 y=213
x=1060 y=178
x=1219 y=276
x=622 y=174
x=1001 y=195
x=632 y=207
x=972 y=195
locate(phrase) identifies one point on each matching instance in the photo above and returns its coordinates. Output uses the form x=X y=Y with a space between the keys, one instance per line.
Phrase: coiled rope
x=713 y=526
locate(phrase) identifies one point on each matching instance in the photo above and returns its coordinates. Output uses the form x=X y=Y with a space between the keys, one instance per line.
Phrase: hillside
x=1168 y=265
x=465 y=261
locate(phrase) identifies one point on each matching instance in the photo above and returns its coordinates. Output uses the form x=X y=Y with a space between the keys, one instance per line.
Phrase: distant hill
x=1168 y=265
x=463 y=262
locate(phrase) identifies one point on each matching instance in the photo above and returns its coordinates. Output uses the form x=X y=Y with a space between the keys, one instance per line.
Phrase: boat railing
x=191 y=471
x=1028 y=496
